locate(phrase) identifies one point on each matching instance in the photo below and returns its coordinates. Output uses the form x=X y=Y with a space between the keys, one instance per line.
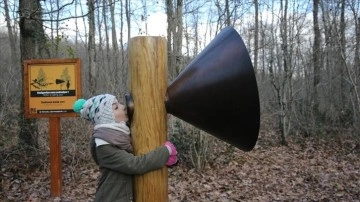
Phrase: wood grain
x=148 y=83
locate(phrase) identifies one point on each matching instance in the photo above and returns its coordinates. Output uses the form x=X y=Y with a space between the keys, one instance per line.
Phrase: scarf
x=117 y=134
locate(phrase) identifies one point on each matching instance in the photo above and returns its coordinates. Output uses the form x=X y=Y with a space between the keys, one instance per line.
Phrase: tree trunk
x=128 y=21
x=227 y=13
x=123 y=73
x=116 y=65
x=285 y=86
x=91 y=47
x=175 y=36
x=170 y=20
x=32 y=46
x=58 y=37
x=256 y=37
x=316 y=58
x=343 y=92
x=178 y=36
x=113 y=28
x=107 y=60
x=356 y=67
x=99 y=47
x=354 y=77
x=11 y=35
x=357 y=48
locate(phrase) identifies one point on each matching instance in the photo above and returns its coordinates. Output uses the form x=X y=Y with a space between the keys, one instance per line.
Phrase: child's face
x=119 y=112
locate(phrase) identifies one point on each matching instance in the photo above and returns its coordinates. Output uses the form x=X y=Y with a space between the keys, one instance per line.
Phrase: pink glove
x=171 y=148
x=172 y=161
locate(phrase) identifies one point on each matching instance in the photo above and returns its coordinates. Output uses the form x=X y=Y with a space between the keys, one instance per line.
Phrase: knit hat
x=97 y=109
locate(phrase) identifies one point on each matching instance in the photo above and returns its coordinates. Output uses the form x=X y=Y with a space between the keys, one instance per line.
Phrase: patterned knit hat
x=97 y=109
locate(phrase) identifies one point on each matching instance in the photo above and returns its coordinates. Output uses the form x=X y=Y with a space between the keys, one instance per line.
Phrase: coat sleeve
x=118 y=160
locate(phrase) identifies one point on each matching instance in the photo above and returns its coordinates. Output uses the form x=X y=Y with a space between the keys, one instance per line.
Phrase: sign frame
x=35 y=92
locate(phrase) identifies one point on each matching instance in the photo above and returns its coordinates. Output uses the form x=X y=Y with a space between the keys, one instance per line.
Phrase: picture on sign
x=52 y=87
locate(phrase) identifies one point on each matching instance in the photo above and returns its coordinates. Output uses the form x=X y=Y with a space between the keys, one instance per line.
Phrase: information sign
x=51 y=87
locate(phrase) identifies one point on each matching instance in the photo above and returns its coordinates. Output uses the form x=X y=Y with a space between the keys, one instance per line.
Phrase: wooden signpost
x=51 y=88
x=148 y=83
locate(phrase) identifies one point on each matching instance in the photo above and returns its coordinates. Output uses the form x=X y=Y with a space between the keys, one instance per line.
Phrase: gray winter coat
x=118 y=167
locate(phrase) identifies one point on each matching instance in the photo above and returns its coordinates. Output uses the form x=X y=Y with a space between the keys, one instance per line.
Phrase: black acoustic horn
x=217 y=92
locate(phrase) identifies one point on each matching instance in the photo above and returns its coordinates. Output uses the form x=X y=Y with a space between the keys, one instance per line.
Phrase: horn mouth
x=129 y=106
x=217 y=92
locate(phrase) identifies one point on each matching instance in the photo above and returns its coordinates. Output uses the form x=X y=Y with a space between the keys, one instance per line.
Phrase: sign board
x=51 y=87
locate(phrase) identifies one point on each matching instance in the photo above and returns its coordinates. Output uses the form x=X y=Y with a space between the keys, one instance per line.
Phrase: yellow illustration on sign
x=52 y=77
x=52 y=88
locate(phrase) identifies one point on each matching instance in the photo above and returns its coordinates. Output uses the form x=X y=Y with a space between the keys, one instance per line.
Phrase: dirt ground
x=314 y=169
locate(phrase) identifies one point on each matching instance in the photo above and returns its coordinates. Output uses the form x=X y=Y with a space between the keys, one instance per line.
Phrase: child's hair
x=97 y=109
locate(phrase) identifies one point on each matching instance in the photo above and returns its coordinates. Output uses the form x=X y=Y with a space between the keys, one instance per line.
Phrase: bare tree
x=342 y=45
x=128 y=18
x=221 y=14
x=58 y=36
x=115 y=48
x=106 y=28
x=170 y=15
x=174 y=36
x=316 y=57
x=256 y=35
x=284 y=102
x=334 y=108
x=355 y=74
x=282 y=61
x=32 y=45
x=123 y=68
x=91 y=47
x=10 y=34
x=227 y=13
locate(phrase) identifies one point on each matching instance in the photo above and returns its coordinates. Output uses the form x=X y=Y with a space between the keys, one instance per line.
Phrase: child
x=112 y=150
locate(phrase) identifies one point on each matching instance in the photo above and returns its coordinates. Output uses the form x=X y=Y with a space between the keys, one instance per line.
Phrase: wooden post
x=148 y=83
x=55 y=156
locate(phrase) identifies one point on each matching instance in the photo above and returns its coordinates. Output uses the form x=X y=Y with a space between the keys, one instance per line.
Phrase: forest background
x=307 y=63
